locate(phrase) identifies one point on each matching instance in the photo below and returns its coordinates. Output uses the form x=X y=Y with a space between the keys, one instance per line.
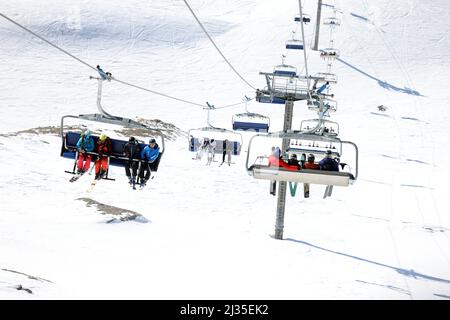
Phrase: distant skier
x=149 y=155
x=104 y=150
x=131 y=150
x=84 y=145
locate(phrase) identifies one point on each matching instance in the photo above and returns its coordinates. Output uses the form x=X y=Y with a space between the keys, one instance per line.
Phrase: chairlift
x=320 y=127
x=70 y=138
x=301 y=142
x=329 y=53
x=294 y=43
x=323 y=77
x=249 y=121
x=332 y=22
x=285 y=70
x=328 y=105
x=195 y=137
x=306 y=18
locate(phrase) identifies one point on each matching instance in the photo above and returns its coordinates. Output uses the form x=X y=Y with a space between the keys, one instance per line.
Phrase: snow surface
x=205 y=232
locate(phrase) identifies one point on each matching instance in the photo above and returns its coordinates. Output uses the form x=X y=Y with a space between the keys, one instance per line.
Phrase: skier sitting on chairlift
x=104 y=150
x=84 y=145
x=276 y=160
x=131 y=150
x=211 y=149
x=310 y=164
x=149 y=155
x=328 y=163
x=294 y=162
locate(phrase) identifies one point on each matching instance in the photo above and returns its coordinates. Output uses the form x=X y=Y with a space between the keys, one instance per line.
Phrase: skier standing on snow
x=84 y=145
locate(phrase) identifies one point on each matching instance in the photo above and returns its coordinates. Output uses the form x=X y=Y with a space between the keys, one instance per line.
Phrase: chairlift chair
x=320 y=127
x=249 y=121
x=312 y=143
x=328 y=105
x=329 y=53
x=323 y=77
x=69 y=139
x=306 y=18
x=294 y=43
x=332 y=22
x=218 y=134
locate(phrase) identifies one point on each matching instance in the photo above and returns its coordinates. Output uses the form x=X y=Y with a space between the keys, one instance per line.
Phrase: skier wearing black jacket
x=131 y=150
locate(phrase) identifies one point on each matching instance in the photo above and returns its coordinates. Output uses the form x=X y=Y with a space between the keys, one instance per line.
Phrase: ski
x=76 y=177
x=91 y=187
x=306 y=190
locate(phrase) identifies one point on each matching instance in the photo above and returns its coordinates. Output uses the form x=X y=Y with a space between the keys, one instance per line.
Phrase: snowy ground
x=205 y=232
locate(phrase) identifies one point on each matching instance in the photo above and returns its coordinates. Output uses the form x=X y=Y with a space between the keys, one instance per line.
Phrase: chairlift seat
x=330 y=178
x=325 y=77
x=266 y=98
x=250 y=126
x=329 y=53
x=285 y=70
x=294 y=45
x=69 y=150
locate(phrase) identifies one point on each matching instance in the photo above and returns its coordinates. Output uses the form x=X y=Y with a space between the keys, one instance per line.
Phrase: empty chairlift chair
x=249 y=121
x=294 y=44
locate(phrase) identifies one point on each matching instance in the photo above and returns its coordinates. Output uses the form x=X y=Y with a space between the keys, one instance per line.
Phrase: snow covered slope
x=205 y=232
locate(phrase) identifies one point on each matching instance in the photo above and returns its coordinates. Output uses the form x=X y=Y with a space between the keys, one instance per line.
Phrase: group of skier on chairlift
x=209 y=146
x=146 y=157
x=328 y=163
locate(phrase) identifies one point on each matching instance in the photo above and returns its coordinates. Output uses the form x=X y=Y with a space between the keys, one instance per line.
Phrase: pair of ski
x=141 y=186
x=79 y=175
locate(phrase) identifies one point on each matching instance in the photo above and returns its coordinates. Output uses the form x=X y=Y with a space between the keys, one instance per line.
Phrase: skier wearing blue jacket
x=328 y=163
x=84 y=145
x=149 y=154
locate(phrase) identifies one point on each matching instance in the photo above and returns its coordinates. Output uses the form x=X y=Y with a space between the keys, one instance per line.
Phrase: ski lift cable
x=45 y=40
x=217 y=48
x=95 y=69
